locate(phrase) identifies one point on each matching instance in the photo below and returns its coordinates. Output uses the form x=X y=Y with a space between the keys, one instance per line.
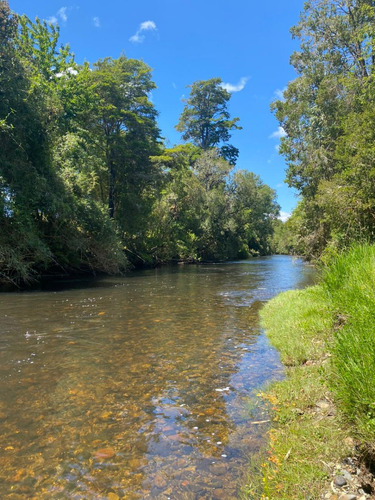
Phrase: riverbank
x=323 y=430
x=39 y=281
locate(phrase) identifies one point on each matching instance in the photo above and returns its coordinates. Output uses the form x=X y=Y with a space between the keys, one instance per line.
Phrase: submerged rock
x=104 y=453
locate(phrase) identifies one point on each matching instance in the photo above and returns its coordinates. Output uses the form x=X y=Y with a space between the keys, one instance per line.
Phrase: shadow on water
x=138 y=387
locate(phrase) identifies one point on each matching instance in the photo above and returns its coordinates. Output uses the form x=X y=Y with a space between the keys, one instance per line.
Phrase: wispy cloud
x=147 y=25
x=139 y=36
x=280 y=132
x=61 y=13
x=235 y=88
x=61 y=16
x=96 y=22
x=284 y=216
x=279 y=94
x=52 y=20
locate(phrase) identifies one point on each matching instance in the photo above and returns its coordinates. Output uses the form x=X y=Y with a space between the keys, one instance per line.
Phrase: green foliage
x=255 y=210
x=27 y=183
x=327 y=114
x=124 y=124
x=205 y=214
x=37 y=46
x=47 y=223
x=284 y=238
x=205 y=119
x=84 y=179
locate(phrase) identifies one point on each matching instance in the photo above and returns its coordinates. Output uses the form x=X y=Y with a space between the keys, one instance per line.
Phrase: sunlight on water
x=138 y=387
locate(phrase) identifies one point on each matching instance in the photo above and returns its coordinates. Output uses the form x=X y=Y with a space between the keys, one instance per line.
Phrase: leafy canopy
x=205 y=119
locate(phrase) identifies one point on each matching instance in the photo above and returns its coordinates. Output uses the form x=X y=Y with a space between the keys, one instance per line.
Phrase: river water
x=138 y=387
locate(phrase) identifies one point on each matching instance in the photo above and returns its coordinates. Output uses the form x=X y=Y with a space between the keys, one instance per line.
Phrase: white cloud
x=145 y=26
x=62 y=14
x=279 y=93
x=72 y=71
x=280 y=132
x=68 y=71
x=284 y=216
x=136 y=38
x=96 y=22
x=52 y=20
x=235 y=88
x=277 y=147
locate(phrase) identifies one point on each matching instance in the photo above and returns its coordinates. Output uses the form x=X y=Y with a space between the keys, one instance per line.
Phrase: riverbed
x=137 y=387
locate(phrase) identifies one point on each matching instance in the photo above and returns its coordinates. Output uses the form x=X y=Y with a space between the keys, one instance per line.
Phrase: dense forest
x=328 y=116
x=86 y=183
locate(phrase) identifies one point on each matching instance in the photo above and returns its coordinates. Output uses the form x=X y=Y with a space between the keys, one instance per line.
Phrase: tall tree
x=125 y=124
x=205 y=119
x=321 y=108
x=334 y=62
x=46 y=223
x=26 y=179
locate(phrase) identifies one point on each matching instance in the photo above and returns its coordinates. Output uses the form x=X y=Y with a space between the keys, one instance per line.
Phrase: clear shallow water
x=138 y=387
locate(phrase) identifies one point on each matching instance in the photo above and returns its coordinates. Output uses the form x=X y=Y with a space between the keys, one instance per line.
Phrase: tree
x=37 y=45
x=212 y=170
x=26 y=180
x=83 y=176
x=327 y=116
x=205 y=119
x=46 y=221
x=255 y=208
x=205 y=214
x=110 y=135
x=124 y=121
x=334 y=63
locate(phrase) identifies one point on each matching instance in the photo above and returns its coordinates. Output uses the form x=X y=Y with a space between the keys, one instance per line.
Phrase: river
x=141 y=386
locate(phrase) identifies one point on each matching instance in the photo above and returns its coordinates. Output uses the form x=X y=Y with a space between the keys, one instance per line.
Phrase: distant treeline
x=328 y=114
x=86 y=183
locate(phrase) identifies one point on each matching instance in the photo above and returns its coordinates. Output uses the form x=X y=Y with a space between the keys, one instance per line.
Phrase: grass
x=297 y=323
x=349 y=283
x=326 y=339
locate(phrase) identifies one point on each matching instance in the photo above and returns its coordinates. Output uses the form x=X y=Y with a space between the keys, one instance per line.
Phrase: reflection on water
x=138 y=387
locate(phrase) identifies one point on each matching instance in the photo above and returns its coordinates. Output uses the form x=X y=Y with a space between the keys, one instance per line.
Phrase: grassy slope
x=326 y=339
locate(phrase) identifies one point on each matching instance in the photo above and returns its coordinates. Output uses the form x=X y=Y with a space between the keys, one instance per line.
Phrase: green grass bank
x=326 y=339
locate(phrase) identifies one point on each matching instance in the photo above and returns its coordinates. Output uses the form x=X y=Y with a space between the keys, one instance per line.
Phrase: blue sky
x=244 y=42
